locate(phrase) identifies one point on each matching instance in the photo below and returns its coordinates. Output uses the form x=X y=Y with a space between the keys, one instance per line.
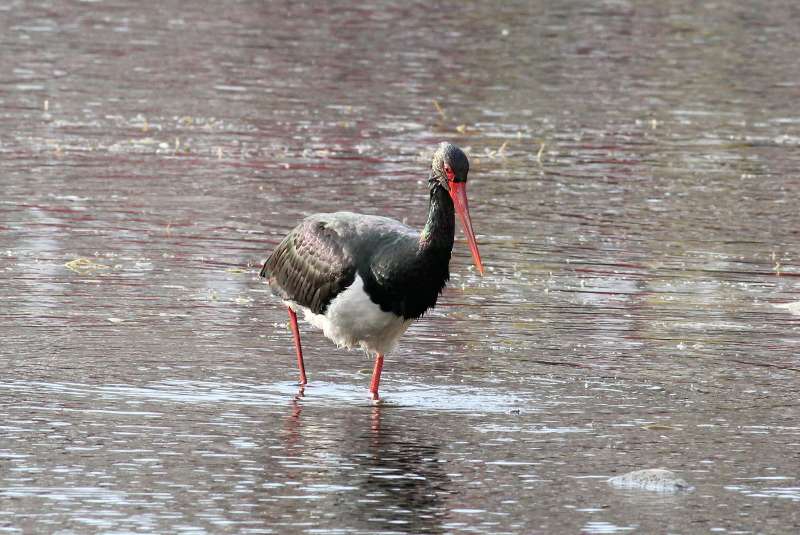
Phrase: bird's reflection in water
x=403 y=485
x=387 y=459
x=292 y=438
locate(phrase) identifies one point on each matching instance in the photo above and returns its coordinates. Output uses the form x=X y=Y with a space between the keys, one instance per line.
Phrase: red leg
x=376 y=376
x=297 y=347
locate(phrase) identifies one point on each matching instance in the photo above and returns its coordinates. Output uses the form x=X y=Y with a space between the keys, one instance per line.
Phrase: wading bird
x=363 y=279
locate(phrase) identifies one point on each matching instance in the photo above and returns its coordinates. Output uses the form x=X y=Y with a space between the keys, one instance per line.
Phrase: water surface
x=633 y=179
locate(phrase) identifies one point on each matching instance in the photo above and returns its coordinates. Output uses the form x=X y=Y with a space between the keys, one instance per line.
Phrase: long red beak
x=458 y=192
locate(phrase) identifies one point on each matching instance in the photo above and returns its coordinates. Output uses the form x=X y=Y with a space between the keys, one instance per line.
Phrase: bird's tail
x=265 y=272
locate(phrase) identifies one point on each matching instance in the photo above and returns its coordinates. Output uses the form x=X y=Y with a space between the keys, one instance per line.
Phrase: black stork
x=363 y=279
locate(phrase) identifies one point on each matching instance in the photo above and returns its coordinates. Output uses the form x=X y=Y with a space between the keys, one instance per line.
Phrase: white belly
x=352 y=320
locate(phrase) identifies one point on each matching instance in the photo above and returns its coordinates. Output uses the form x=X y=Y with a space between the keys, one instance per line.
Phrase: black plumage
x=310 y=266
x=403 y=272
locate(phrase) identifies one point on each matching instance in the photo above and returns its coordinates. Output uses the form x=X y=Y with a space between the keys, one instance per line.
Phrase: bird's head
x=449 y=169
x=449 y=164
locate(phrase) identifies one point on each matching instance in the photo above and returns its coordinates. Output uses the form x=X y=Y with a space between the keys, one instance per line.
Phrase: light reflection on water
x=415 y=397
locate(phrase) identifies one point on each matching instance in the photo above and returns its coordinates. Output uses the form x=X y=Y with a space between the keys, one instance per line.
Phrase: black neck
x=437 y=235
x=411 y=280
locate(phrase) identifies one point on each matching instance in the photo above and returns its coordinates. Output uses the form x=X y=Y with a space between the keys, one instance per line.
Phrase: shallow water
x=632 y=185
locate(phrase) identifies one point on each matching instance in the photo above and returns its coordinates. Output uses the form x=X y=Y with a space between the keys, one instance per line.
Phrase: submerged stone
x=654 y=479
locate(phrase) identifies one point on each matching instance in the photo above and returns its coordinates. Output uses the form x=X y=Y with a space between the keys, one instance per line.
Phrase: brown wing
x=310 y=266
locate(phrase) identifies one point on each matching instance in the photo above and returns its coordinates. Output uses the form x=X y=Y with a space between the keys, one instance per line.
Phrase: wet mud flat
x=633 y=181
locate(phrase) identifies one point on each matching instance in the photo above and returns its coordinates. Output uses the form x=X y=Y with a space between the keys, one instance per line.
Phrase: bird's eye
x=449 y=172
